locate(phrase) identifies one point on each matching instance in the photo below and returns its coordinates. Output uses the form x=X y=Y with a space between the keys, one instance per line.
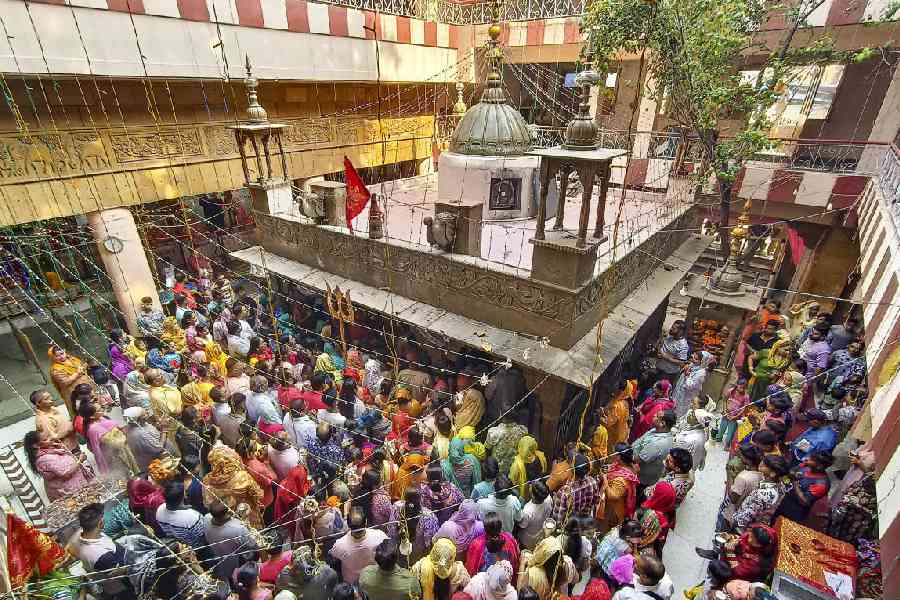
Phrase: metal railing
x=470 y=13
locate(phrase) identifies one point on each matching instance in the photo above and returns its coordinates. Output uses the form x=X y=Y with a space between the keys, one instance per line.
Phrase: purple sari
x=463 y=527
x=119 y=364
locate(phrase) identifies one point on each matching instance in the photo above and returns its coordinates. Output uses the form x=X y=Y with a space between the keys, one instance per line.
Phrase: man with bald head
x=325 y=448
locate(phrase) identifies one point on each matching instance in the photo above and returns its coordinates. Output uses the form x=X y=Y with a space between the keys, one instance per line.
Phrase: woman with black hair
x=247 y=584
x=63 y=472
x=439 y=495
x=493 y=546
x=621 y=488
x=372 y=498
x=412 y=521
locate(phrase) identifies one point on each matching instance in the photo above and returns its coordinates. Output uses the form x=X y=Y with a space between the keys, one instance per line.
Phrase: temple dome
x=492 y=127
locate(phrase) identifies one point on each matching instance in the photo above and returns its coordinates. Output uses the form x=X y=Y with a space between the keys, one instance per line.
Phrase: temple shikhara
x=449 y=300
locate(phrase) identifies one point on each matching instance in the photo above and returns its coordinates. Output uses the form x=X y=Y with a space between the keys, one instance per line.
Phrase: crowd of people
x=266 y=459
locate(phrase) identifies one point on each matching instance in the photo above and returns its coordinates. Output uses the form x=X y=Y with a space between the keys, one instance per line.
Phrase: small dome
x=492 y=127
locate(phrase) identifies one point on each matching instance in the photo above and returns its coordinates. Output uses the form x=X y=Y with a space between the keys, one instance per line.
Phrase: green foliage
x=692 y=51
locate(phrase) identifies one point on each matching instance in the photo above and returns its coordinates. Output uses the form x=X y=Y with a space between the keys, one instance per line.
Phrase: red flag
x=357 y=193
x=28 y=550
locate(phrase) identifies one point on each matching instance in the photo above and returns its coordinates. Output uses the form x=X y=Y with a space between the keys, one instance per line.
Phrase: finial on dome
x=255 y=111
x=460 y=107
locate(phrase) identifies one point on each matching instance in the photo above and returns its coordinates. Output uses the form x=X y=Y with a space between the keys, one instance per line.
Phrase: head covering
x=493 y=584
x=456 y=458
x=285 y=595
x=437 y=565
x=526 y=453
x=144 y=498
x=473 y=447
x=224 y=463
x=133 y=413
x=662 y=499
x=664 y=386
x=816 y=414
x=291 y=491
x=535 y=574
x=622 y=569
x=461 y=528
x=706 y=359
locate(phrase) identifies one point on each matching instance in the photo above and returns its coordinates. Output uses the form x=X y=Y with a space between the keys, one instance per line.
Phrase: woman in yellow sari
x=471 y=409
x=440 y=563
x=473 y=447
x=67 y=372
x=173 y=335
x=538 y=574
x=618 y=414
x=529 y=464
x=216 y=359
x=229 y=482
x=330 y=363
x=136 y=349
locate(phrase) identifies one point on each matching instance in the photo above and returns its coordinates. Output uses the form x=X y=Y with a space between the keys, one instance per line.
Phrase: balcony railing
x=468 y=13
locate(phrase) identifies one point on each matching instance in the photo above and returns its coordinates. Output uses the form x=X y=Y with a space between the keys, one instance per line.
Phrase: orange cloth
x=805 y=554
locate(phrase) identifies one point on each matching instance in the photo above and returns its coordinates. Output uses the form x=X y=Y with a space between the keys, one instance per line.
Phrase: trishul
x=340 y=307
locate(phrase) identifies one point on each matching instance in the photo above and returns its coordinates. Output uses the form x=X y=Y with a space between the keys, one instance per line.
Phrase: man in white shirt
x=507 y=506
x=237 y=344
x=331 y=414
x=356 y=549
x=178 y=521
x=651 y=582
x=282 y=455
x=299 y=425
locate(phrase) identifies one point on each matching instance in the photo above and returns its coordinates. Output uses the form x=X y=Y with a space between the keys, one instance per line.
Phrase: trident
x=340 y=307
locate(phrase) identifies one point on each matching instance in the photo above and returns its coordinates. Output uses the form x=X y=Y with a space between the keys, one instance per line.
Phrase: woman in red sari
x=291 y=492
x=752 y=556
x=656 y=400
x=144 y=497
x=621 y=489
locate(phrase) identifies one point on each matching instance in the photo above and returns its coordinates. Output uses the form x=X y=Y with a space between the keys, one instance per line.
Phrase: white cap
x=285 y=595
x=133 y=412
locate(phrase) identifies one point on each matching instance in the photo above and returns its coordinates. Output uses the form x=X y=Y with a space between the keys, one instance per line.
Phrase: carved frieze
x=220 y=141
x=420 y=267
x=307 y=132
x=146 y=145
x=48 y=156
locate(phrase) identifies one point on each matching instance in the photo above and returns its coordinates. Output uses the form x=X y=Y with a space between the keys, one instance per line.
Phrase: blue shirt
x=822 y=439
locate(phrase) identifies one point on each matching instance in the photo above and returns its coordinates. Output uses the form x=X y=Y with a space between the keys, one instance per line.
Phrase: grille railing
x=470 y=13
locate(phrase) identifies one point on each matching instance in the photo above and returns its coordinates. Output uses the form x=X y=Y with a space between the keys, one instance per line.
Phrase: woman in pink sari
x=656 y=400
x=63 y=472
x=462 y=528
x=108 y=444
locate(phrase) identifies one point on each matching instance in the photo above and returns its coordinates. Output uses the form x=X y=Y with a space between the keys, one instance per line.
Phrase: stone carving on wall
x=495 y=288
x=145 y=145
x=220 y=141
x=50 y=155
x=306 y=132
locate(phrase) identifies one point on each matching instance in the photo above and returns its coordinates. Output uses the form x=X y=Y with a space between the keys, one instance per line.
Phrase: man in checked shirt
x=580 y=496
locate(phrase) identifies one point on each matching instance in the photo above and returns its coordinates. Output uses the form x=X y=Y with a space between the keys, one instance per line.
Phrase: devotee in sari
x=462 y=528
x=439 y=495
x=461 y=469
x=410 y=473
x=173 y=335
x=329 y=362
x=66 y=372
x=471 y=407
x=229 y=482
x=53 y=422
x=63 y=473
x=766 y=366
x=528 y=465
x=108 y=444
x=495 y=583
x=412 y=522
x=621 y=487
x=165 y=404
x=144 y=498
x=544 y=567
x=492 y=546
x=656 y=400
x=653 y=516
x=439 y=573
x=136 y=390
x=119 y=363
x=617 y=416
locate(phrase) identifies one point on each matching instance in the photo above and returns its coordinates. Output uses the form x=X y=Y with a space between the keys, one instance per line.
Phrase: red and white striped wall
x=761 y=181
x=879 y=289
x=291 y=15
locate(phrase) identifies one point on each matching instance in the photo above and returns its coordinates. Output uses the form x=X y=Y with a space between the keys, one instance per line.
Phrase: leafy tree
x=692 y=49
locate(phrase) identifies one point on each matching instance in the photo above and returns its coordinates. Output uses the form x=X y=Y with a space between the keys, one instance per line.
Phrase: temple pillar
x=126 y=264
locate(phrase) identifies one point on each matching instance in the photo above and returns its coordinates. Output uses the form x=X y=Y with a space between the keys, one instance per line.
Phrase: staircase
x=26 y=493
